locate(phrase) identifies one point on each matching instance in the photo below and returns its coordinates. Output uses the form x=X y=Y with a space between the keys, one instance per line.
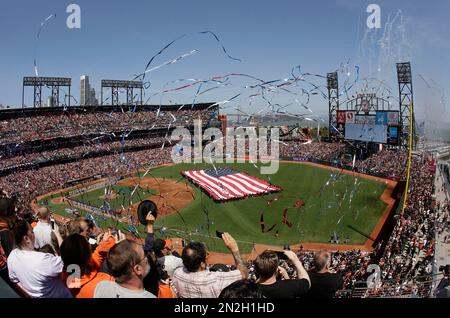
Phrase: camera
x=90 y=223
x=445 y=269
x=281 y=256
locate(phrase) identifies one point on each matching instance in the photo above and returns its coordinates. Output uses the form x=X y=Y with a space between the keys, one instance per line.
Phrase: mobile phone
x=281 y=255
x=219 y=234
x=53 y=223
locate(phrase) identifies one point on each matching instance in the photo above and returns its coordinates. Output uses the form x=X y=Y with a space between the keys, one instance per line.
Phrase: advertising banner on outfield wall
x=301 y=159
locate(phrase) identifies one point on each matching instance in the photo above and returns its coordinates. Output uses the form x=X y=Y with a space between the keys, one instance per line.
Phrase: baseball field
x=319 y=203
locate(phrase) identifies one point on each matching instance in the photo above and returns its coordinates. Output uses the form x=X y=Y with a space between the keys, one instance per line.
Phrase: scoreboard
x=382 y=127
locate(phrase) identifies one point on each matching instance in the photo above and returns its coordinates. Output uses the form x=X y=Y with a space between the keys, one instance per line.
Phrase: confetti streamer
x=37 y=43
x=173 y=61
x=223 y=47
x=285 y=221
x=263 y=225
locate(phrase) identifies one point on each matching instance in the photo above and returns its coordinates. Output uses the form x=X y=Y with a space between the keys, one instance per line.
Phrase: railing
x=418 y=287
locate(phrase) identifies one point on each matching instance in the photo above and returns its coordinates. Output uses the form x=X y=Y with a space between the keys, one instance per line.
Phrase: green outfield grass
x=327 y=209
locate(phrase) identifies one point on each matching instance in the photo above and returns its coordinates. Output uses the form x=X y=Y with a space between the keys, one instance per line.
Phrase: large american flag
x=226 y=184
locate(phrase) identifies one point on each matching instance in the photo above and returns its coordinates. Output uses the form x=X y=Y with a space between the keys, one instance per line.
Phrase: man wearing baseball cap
x=168 y=260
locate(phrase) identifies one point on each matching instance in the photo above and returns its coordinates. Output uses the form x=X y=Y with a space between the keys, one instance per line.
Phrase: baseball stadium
x=321 y=198
x=174 y=198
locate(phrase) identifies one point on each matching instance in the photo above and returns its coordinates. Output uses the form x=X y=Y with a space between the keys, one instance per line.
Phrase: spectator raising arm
x=150 y=238
x=57 y=234
x=301 y=272
x=231 y=244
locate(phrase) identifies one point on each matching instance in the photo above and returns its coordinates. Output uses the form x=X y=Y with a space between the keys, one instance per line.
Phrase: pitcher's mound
x=172 y=196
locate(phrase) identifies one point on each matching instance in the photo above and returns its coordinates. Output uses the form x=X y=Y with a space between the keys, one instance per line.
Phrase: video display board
x=382 y=127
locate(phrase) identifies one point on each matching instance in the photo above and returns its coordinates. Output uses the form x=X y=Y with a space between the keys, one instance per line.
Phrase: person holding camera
x=195 y=280
x=274 y=281
x=443 y=289
x=76 y=250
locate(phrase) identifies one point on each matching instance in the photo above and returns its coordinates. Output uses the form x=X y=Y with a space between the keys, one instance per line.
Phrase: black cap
x=144 y=208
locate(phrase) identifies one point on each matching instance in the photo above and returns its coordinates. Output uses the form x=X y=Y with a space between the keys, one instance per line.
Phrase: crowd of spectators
x=26 y=185
x=443 y=220
x=86 y=150
x=410 y=249
x=390 y=163
x=311 y=150
x=78 y=260
x=65 y=124
x=154 y=270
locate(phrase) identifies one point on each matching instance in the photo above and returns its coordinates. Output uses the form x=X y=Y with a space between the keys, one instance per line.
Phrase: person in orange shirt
x=76 y=250
x=165 y=288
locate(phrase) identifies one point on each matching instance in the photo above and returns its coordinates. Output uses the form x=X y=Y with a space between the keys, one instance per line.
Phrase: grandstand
x=53 y=139
x=48 y=149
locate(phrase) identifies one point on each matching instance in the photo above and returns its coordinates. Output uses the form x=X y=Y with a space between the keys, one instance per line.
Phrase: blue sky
x=117 y=38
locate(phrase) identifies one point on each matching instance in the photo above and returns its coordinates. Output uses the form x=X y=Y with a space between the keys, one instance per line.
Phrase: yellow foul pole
x=411 y=137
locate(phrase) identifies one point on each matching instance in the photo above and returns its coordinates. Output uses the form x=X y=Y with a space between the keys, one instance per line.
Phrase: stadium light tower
x=54 y=83
x=406 y=102
x=115 y=85
x=333 y=103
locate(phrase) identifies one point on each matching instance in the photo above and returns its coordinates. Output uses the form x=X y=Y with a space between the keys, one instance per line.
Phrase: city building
x=51 y=101
x=87 y=93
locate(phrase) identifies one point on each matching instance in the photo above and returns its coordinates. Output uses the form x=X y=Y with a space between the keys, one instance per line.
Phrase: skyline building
x=87 y=93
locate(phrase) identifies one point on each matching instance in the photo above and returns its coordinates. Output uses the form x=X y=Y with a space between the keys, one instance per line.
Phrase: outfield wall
x=93 y=186
x=83 y=206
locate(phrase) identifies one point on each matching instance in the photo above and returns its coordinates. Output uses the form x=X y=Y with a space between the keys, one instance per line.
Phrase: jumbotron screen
x=379 y=128
x=366 y=132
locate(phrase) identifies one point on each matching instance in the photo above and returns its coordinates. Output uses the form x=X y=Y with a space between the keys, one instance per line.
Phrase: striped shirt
x=202 y=284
